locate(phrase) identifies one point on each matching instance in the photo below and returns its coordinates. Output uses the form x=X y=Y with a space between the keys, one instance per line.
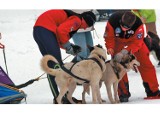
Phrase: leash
x=66 y=57
x=29 y=82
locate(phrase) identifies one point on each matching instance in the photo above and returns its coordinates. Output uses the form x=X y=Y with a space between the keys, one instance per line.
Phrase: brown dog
x=90 y=70
x=113 y=74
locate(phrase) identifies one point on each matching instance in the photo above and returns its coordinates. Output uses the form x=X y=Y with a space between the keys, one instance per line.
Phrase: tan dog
x=113 y=74
x=90 y=70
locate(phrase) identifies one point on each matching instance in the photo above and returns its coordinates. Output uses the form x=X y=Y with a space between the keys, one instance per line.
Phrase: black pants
x=47 y=43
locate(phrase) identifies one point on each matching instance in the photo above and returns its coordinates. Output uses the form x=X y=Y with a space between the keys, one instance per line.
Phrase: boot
x=150 y=94
x=76 y=100
x=64 y=101
x=124 y=97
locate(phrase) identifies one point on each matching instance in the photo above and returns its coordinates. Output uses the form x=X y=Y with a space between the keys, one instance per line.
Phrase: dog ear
x=130 y=52
x=90 y=48
x=99 y=46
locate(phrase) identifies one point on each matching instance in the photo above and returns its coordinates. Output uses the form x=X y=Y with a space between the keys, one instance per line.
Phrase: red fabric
x=139 y=49
x=58 y=22
x=133 y=43
x=1 y=46
x=146 y=70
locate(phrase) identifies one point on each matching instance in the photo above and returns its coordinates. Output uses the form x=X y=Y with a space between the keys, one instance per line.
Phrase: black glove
x=71 y=48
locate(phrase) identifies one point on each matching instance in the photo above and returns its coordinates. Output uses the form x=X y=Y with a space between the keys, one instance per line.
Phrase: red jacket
x=60 y=23
x=116 y=37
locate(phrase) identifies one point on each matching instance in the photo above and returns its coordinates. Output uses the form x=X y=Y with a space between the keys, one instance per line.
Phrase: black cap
x=89 y=17
x=128 y=19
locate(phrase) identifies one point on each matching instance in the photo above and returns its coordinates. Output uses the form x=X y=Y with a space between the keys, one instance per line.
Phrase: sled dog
x=113 y=74
x=90 y=70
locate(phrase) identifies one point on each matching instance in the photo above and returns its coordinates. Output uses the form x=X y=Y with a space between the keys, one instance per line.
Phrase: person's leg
x=147 y=72
x=48 y=44
x=123 y=89
x=89 y=41
x=80 y=39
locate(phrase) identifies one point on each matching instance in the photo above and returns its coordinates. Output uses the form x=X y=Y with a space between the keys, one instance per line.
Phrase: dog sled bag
x=8 y=94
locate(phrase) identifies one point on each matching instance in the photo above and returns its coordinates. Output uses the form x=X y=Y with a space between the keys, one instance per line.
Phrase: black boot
x=125 y=97
x=76 y=100
x=150 y=94
x=64 y=101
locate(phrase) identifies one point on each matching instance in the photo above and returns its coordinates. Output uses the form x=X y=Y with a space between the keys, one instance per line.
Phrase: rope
x=29 y=82
x=5 y=60
x=95 y=33
x=33 y=80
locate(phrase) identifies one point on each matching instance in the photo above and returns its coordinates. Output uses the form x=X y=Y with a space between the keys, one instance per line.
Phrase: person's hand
x=110 y=51
x=71 y=48
x=118 y=57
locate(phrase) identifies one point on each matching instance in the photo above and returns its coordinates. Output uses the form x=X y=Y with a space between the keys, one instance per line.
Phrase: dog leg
x=94 y=88
x=99 y=96
x=62 y=92
x=71 y=89
x=85 y=89
x=115 y=88
x=109 y=91
x=100 y=85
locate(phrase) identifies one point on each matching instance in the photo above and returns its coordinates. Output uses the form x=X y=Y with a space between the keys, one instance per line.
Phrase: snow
x=23 y=59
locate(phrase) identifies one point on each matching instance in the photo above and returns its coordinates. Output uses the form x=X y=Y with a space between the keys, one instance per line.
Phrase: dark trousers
x=47 y=43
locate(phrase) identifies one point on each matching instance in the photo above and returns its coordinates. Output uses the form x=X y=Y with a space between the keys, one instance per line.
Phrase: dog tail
x=45 y=67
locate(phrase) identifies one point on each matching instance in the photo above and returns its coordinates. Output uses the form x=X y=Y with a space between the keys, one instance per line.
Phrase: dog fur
x=110 y=78
x=87 y=69
x=152 y=41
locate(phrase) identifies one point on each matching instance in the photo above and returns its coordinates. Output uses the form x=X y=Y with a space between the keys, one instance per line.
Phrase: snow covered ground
x=23 y=58
x=23 y=61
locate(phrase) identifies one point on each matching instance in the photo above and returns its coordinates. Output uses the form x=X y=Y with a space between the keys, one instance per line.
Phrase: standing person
x=148 y=16
x=83 y=37
x=53 y=30
x=125 y=32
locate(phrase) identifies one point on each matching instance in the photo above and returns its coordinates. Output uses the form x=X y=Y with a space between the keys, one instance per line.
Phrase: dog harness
x=116 y=71
x=85 y=80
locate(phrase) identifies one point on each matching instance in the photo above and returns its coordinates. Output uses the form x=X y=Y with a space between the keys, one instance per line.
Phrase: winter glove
x=72 y=49
x=118 y=57
x=110 y=51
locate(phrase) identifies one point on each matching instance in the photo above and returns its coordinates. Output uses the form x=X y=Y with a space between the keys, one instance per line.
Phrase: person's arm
x=72 y=24
x=109 y=39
